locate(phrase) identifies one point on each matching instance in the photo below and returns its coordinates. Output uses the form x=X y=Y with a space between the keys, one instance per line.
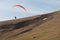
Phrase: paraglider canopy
x=18 y=5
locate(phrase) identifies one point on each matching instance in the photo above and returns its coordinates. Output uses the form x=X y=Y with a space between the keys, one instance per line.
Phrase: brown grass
x=35 y=29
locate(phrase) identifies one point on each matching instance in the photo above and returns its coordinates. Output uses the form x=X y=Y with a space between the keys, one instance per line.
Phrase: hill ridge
x=14 y=29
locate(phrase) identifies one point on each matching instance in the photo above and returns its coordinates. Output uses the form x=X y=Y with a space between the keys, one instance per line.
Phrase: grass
x=49 y=30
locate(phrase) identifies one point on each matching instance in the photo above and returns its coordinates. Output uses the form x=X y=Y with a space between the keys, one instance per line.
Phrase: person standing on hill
x=15 y=17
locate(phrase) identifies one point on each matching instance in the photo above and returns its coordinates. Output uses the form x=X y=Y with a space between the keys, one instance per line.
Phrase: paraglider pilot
x=15 y=17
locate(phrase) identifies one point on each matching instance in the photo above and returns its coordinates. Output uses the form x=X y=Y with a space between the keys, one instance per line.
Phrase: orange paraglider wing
x=18 y=5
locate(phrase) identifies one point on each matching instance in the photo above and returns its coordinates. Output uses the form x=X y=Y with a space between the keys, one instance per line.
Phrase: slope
x=41 y=27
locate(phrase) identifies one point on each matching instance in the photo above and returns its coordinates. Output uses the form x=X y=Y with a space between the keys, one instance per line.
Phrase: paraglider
x=18 y=5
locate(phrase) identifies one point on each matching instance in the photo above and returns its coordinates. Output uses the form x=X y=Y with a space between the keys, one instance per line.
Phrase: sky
x=34 y=7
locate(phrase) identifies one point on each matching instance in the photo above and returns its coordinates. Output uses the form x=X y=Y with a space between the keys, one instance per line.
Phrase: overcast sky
x=34 y=7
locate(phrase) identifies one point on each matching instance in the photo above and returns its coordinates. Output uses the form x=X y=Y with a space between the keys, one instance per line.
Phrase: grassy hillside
x=40 y=27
